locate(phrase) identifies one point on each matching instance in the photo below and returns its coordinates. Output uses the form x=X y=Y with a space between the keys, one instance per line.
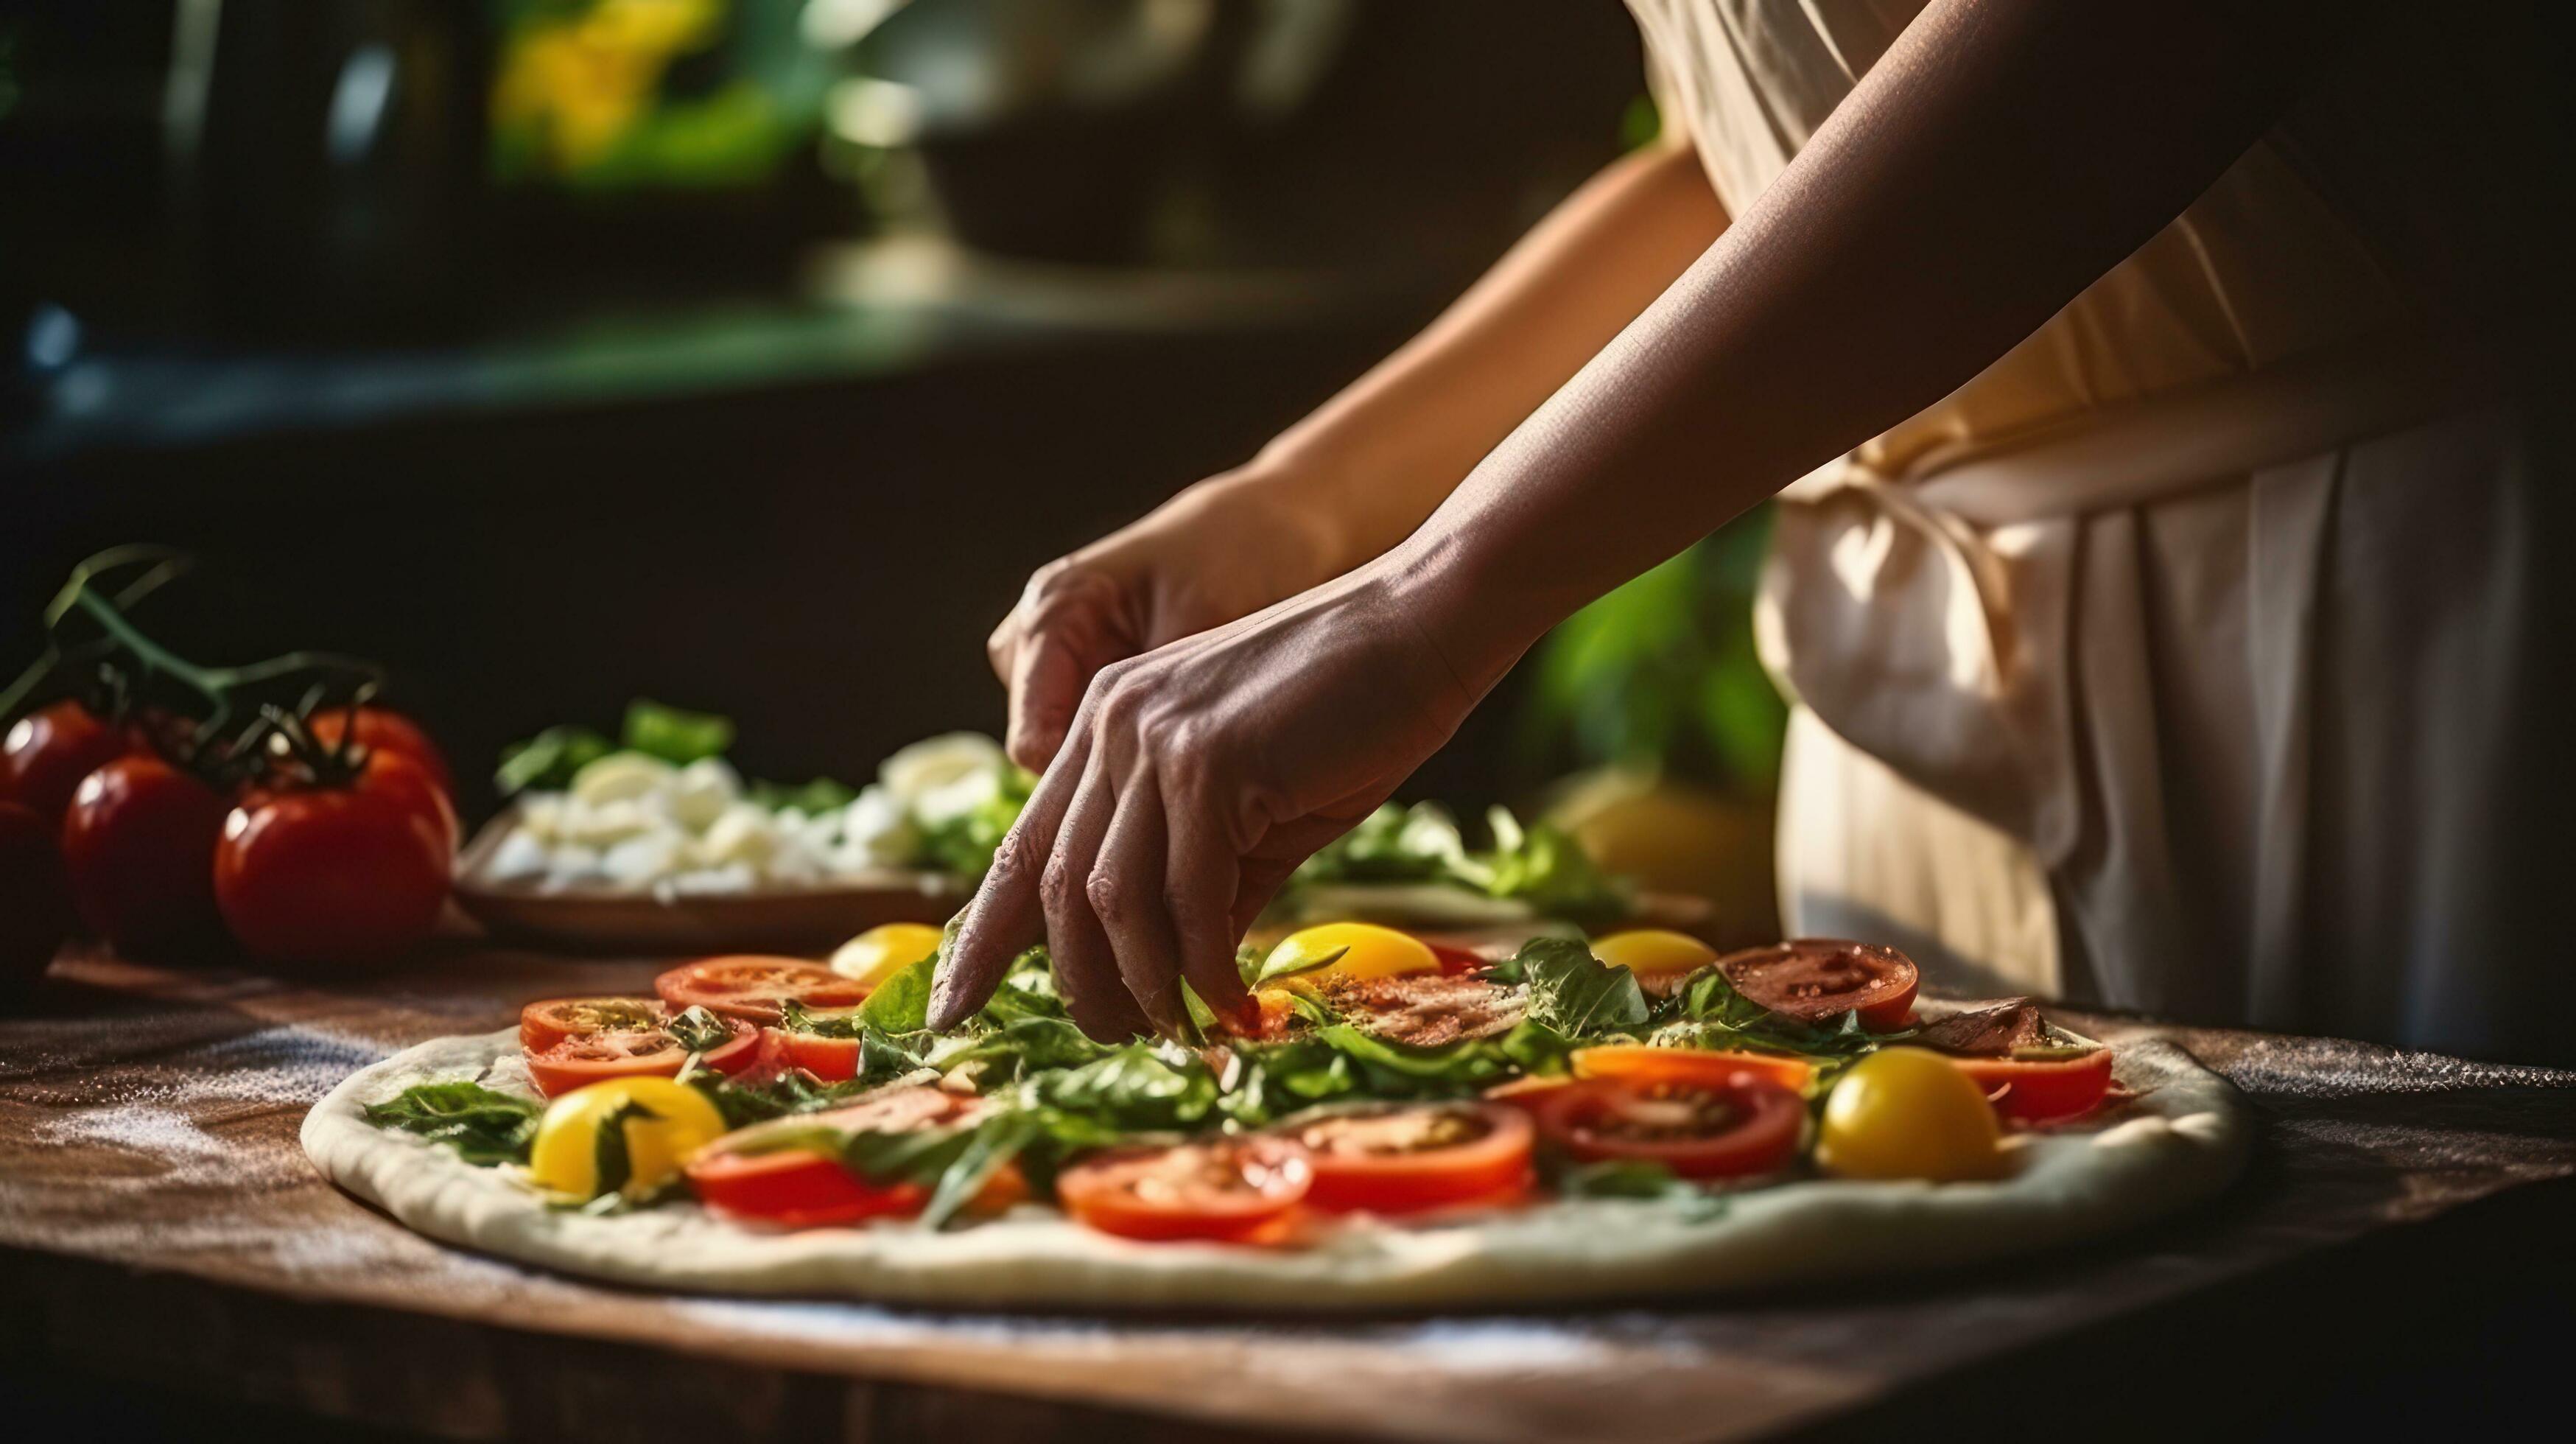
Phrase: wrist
x=1439 y=580
x=1290 y=507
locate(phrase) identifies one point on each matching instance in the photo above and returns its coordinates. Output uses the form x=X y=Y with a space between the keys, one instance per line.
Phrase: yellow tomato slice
x=664 y=1122
x=1367 y=951
x=1908 y=1113
x=885 y=950
x=1655 y=955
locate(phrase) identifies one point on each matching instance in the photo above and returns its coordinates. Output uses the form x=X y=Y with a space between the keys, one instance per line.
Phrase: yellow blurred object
x=584 y=81
x=1655 y=954
x=1367 y=951
x=884 y=950
x=663 y=1121
x=1908 y=1113
x=1672 y=837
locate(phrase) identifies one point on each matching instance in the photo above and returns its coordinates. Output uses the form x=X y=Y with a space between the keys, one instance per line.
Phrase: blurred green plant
x=1661 y=675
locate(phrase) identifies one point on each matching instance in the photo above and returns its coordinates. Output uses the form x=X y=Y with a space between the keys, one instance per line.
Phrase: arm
x=1360 y=473
x=2003 y=155
x=1378 y=457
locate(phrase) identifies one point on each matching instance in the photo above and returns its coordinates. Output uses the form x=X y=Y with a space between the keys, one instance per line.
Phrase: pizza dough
x=2179 y=1142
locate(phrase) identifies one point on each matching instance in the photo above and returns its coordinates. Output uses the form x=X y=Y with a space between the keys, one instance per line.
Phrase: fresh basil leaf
x=1391 y=844
x=823 y=794
x=484 y=1126
x=1545 y=867
x=989 y=1146
x=918 y=1155
x=901 y=1004
x=1707 y=996
x=675 y=735
x=1274 y=968
x=963 y=844
x=698 y=1030
x=548 y=760
x=613 y=1166
x=1576 y=993
x=1136 y=1088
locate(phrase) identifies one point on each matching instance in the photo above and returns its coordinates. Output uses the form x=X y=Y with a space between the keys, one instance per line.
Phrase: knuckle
x=1018 y=856
x=1057 y=886
x=1110 y=898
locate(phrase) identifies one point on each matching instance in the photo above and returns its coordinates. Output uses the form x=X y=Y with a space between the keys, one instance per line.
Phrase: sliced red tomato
x=1228 y=1189
x=2036 y=1090
x=788 y=1172
x=754 y=988
x=545 y=1023
x=579 y=1059
x=1641 y=1063
x=1814 y=979
x=1405 y=1158
x=1456 y=961
x=1744 y=1126
x=834 y=1060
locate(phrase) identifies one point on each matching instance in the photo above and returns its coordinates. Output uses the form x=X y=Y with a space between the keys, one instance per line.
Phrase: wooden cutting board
x=159 y=1226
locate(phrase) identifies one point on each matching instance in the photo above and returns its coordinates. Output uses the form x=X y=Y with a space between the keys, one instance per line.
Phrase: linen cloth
x=2177 y=660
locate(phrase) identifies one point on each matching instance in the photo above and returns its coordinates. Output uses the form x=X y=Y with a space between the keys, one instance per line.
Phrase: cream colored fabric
x=2120 y=612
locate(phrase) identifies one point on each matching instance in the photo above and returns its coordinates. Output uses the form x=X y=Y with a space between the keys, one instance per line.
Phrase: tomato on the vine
x=35 y=899
x=381 y=731
x=322 y=872
x=49 y=751
x=139 y=842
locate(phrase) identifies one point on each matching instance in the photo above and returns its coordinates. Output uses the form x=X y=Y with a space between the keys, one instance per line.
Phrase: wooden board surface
x=148 y=1118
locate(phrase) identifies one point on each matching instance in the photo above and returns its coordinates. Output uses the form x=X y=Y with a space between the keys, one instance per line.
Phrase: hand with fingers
x=1220 y=550
x=1190 y=782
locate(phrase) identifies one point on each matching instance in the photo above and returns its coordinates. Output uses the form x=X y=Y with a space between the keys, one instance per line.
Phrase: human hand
x=1221 y=550
x=1191 y=781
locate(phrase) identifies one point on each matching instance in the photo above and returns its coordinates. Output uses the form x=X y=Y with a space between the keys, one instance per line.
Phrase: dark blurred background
x=749 y=353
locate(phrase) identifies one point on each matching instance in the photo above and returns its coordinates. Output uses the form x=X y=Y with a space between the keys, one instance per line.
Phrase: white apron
x=2171 y=663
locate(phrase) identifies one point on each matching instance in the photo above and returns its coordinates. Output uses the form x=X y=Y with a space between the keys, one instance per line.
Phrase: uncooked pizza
x=1391 y=1123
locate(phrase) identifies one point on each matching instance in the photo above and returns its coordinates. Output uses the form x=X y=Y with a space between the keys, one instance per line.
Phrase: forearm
x=2001 y=157
x=1372 y=462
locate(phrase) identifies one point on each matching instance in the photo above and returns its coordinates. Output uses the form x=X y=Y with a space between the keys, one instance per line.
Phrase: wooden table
x=162 y=1238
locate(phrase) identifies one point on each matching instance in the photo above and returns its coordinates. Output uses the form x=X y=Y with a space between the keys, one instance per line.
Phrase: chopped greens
x=549 y=761
x=1538 y=864
x=673 y=734
x=484 y=1126
x=698 y=1030
x=963 y=843
x=1577 y=993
